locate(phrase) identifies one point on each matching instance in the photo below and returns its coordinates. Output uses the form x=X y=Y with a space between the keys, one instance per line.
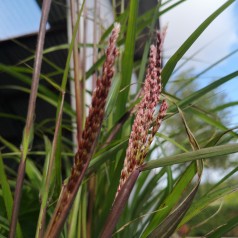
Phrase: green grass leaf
x=31 y=170
x=127 y=59
x=206 y=153
x=223 y=229
x=198 y=94
x=170 y=223
x=105 y=154
x=171 y=200
x=7 y=195
x=206 y=200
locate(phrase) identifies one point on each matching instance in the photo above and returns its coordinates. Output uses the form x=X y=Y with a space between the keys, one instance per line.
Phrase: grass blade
x=127 y=59
x=31 y=170
x=171 y=200
x=168 y=226
x=147 y=45
x=7 y=195
x=205 y=201
x=119 y=205
x=206 y=153
x=198 y=94
x=232 y=223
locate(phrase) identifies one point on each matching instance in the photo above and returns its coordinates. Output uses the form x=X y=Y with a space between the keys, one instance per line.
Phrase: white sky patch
x=216 y=40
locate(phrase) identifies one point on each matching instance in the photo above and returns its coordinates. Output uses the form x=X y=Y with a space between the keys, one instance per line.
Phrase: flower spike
x=140 y=137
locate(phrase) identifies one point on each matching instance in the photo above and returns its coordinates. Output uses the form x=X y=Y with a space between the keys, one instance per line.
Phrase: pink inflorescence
x=140 y=138
x=96 y=110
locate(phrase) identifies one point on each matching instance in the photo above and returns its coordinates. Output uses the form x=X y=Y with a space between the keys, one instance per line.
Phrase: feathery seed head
x=92 y=128
x=140 y=139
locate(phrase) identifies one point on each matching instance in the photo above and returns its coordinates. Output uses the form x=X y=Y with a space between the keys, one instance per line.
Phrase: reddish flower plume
x=140 y=138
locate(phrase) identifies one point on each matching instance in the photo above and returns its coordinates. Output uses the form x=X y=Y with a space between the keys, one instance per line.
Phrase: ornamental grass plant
x=135 y=159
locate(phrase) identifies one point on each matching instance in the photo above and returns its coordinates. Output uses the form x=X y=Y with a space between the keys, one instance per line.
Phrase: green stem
x=46 y=187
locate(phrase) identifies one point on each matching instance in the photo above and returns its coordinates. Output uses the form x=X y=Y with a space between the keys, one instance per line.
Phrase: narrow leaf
x=7 y=195
x=206 y=200
x=197 y=95
x=206 y=153
x=171 y=200
x=168 y=226
x=193 y=142
x=119 y=205
x=222 y=230
x=127 y=59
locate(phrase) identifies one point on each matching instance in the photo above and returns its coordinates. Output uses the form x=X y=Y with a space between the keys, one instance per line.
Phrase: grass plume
x=87 y=143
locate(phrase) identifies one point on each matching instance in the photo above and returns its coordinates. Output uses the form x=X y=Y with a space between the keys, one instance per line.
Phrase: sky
x=18 y=18
x=218 y=40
